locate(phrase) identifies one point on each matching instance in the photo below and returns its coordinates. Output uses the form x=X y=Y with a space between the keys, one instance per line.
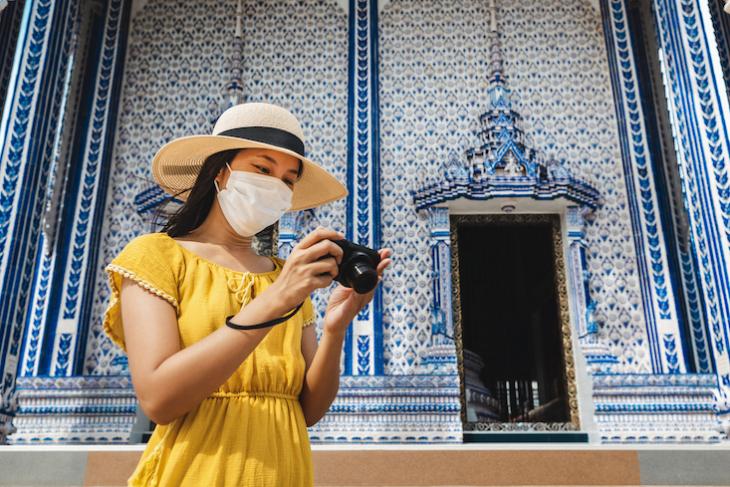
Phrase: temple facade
x=553 y=178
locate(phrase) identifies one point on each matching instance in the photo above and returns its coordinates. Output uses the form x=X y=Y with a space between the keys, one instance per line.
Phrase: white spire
x=495 y=49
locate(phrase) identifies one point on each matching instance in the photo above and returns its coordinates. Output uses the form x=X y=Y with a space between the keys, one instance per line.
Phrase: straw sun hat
x=248 y=125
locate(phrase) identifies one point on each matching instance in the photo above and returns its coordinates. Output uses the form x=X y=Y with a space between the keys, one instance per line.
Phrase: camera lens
x=362 y=277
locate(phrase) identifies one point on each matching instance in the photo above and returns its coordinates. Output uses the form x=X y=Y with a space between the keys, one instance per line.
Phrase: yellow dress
x=252 y=430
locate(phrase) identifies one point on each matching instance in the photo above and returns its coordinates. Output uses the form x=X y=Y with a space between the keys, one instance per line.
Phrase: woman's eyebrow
x=273 y=161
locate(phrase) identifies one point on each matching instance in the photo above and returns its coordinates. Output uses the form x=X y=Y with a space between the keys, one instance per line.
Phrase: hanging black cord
x=265 y=324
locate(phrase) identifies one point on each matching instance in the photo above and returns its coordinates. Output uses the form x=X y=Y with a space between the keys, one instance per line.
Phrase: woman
x=232 y=405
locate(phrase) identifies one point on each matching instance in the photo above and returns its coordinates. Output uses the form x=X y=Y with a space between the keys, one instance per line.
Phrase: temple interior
x=510 y=318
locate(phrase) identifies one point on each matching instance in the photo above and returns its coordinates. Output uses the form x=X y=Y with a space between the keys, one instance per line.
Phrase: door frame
x=559 y=263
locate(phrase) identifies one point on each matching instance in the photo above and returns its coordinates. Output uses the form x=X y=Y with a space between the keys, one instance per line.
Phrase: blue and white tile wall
x=67 y=306
x=295 y=55
x=32 y=112
x=664 y=322
x=700 y=110
x=432 y=87
x=168 y=90
x=433 y=81
x=44 y=312
x=10 y=21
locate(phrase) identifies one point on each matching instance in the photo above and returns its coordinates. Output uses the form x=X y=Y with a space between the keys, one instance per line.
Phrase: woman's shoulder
x=153 y=239
x=155 y=243
x=156 y=250
x=150 y=261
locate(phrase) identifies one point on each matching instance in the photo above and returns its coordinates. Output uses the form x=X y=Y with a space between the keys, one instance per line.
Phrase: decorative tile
x=433 y=85
x=177 y=69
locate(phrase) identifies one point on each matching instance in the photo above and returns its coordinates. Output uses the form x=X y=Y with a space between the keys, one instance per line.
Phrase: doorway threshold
x=525 y=437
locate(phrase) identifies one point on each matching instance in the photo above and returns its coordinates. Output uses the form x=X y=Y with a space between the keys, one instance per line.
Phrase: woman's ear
x=220 y=179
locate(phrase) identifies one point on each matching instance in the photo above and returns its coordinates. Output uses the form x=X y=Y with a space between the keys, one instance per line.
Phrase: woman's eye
x=265 y=170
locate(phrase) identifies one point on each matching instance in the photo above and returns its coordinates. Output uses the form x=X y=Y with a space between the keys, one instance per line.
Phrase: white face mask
x=252 y=201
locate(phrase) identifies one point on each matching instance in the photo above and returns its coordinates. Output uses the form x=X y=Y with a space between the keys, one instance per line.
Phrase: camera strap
x=265 y=324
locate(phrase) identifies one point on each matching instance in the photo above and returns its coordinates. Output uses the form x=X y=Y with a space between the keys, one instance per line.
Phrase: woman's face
x=263 y=161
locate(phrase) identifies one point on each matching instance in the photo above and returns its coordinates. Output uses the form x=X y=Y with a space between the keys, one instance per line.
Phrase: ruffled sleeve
x=150 y=261
x=309 y=316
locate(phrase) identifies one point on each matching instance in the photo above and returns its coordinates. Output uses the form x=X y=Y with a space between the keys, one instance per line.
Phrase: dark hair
x=197 y=206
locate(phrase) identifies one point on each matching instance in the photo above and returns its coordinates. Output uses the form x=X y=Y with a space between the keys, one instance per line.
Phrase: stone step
x=395 y=465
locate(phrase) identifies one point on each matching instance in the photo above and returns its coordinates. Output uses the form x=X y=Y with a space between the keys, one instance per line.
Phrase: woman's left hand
x=344 y=303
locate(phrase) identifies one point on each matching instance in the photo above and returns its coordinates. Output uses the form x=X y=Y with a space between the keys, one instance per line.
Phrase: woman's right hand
x=303 y=271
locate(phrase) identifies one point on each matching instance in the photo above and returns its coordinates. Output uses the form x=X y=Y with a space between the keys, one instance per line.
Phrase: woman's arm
x=322 y=380
x=170 y=381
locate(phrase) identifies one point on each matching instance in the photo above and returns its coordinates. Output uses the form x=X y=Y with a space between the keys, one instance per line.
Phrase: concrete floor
x=410 y=465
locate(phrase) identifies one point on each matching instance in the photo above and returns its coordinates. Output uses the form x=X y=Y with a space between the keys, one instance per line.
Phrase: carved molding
x=563 y=308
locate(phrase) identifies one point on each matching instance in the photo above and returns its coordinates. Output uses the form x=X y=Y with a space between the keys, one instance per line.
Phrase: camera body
x=358 y=268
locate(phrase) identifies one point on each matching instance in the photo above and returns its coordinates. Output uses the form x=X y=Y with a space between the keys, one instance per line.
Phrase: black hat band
x=268 y=135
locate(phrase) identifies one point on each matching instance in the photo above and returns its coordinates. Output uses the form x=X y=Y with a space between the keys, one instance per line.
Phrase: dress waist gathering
x=278 y=395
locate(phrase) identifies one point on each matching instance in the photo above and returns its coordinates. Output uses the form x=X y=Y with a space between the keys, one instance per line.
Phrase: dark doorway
x=510 y=318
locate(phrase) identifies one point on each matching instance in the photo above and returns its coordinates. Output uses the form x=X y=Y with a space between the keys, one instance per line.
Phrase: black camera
x=358 y=268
